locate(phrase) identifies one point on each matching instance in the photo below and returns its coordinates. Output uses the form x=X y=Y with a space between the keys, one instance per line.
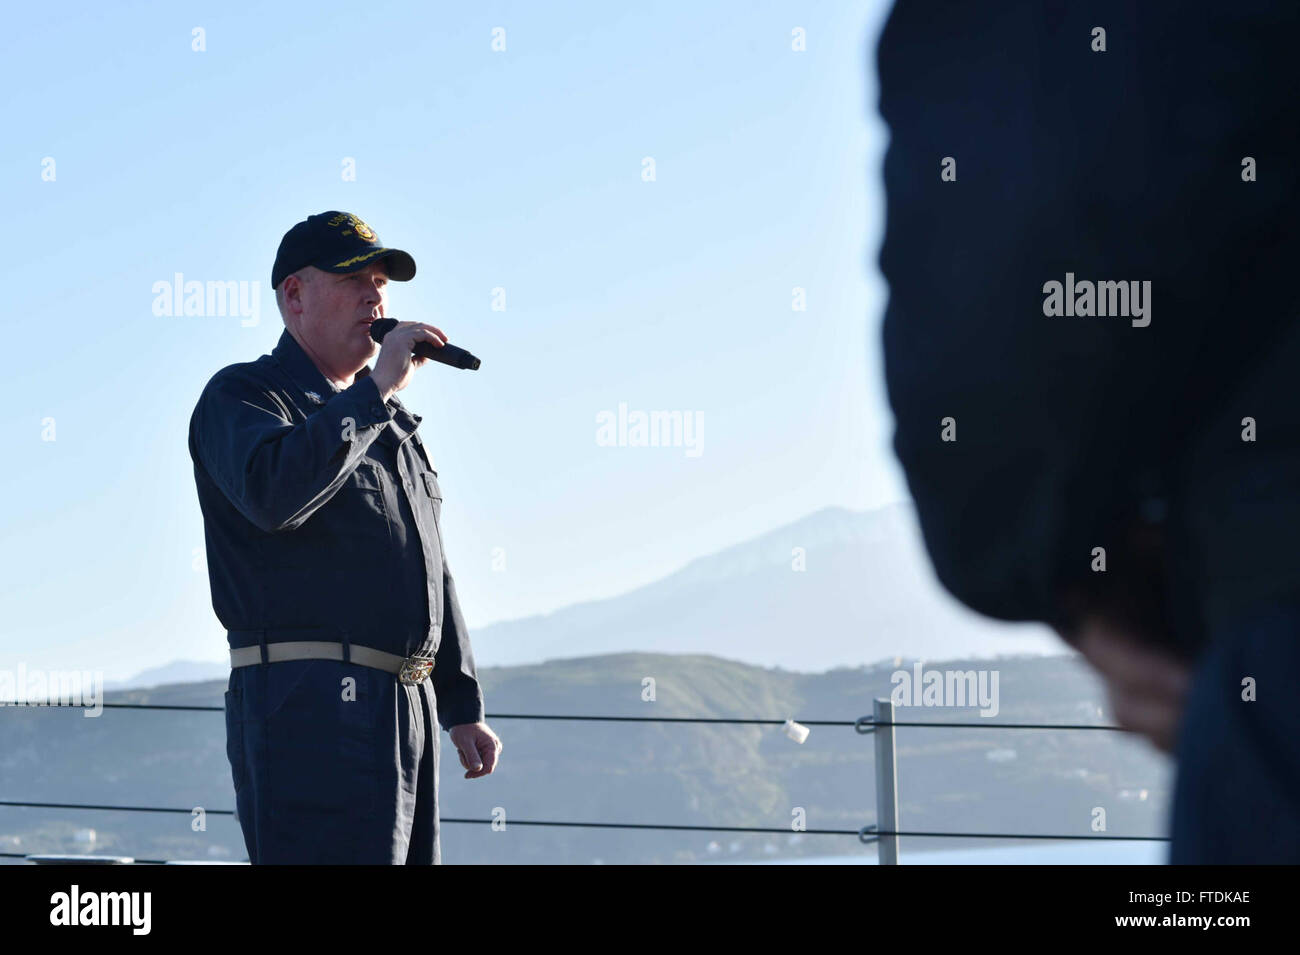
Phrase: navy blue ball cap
x=337 y=242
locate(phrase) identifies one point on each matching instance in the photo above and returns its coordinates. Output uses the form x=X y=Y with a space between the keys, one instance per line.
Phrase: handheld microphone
x=448 y=354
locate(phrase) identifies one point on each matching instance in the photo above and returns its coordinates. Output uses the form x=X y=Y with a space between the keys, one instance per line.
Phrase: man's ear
x=293 y=285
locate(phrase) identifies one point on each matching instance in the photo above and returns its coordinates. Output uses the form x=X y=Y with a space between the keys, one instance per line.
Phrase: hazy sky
x=128 y=157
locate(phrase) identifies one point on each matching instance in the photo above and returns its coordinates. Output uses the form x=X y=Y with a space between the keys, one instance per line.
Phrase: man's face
x=336 y=314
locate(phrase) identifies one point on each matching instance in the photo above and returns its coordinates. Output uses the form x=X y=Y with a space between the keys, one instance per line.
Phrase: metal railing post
x=886 y=783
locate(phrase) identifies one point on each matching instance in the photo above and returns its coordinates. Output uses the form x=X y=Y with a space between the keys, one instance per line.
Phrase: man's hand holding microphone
x=409 y=346
x=397 y=360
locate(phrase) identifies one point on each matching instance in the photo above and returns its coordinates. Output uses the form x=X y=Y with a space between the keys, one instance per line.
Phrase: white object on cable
x=796 y=731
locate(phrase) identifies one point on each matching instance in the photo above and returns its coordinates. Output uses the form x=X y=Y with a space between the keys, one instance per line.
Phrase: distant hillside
x=867 y=593
x=179 y=671
x=704 y=774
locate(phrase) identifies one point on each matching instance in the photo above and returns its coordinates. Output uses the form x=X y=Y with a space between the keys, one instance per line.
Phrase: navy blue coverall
x=321 y=512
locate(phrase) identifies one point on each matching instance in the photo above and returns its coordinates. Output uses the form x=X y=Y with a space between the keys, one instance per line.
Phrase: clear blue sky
x=518 y=169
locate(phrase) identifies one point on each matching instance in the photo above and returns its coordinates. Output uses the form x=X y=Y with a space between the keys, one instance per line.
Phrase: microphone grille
x=381 y=327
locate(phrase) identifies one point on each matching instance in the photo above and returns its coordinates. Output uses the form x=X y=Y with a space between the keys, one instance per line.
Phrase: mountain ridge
x=835 y=587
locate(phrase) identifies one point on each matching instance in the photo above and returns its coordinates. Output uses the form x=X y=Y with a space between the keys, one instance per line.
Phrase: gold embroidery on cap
x=362 y=230
x=358 y=258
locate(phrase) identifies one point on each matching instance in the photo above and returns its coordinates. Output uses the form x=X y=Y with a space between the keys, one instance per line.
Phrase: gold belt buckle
x=415 y=670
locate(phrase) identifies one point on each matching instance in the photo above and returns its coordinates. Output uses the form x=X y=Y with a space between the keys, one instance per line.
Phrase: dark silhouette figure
x=1119 y=450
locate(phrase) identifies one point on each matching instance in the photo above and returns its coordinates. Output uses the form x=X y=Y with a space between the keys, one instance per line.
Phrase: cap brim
x=401 y=267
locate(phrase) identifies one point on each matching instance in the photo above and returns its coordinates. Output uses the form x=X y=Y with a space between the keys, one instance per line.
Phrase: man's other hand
x=478 y=746
x=1146 y=687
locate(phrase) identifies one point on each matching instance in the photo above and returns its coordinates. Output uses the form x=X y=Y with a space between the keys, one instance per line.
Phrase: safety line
x=865 y=721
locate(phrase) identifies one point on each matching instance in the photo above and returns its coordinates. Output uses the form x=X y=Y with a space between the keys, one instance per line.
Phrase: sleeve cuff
x=455 y=716
x=363 y=403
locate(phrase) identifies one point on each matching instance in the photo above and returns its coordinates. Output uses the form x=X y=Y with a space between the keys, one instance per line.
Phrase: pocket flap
x=365 y=475
x=431 y=485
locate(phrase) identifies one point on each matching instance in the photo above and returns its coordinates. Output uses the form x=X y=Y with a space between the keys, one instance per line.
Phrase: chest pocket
x=431 y=485
x=364 y=513
x=365 y=477
x=434 y=491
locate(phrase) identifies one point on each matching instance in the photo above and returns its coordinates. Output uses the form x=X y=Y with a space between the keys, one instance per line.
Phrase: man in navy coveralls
x=321 y=510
